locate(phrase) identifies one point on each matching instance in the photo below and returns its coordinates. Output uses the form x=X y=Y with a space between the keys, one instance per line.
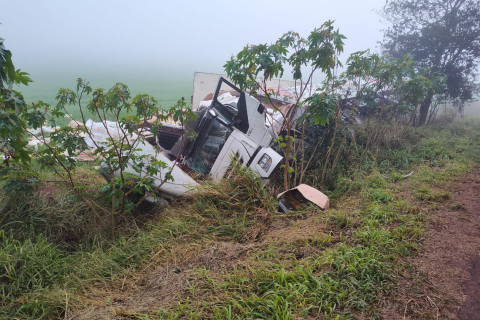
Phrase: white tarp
x=102 y=131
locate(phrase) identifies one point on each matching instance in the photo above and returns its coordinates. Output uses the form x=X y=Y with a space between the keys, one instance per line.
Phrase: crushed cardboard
x=75 y=124
x=309 y=193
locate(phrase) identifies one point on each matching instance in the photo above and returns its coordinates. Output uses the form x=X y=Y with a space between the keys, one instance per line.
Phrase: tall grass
x=337 y=264
x=235 y=207
x=50 y=251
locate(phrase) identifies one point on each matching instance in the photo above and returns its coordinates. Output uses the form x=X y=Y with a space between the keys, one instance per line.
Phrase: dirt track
x=468 y=194
x=448 y=264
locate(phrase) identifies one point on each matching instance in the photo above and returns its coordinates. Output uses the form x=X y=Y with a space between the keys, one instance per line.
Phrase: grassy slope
x=226 y=254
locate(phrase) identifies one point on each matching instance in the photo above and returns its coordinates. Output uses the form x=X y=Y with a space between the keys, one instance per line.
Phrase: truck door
x=232 y=150
x=211 y=139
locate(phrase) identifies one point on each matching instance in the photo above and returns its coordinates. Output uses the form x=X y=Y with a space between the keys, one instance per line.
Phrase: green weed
x=379 y=195
x=340 y=271
x=426 y=193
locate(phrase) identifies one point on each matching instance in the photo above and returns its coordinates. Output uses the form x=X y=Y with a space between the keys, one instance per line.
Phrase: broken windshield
x=209 y=145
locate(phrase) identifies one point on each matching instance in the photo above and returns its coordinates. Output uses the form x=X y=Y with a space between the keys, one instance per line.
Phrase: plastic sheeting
x=102 y=131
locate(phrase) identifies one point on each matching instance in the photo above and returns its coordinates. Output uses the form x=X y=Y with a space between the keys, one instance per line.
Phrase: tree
x=442 y=35
x=318 y=52
x=14 y=169
x=60 y=149
x=12 y=109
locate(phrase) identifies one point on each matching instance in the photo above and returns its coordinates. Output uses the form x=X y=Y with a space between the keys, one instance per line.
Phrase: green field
x=165 y=91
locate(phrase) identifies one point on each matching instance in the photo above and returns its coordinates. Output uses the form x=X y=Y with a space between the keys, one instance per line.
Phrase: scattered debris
x=407 y=175
x=75 y=124
x=295 y=198
x=86 y=156
x=44 y=129
x=403 y=176
x=36 y=142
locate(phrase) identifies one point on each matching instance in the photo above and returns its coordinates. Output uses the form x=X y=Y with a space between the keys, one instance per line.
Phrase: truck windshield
x=208 y=147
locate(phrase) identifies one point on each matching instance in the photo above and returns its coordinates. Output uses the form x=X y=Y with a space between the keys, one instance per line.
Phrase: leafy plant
x=255 y=65
x=128 y=171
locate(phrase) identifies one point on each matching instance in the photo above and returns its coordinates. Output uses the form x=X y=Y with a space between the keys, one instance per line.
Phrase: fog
x=156 y=46
x=151 y=39
x=472 y=108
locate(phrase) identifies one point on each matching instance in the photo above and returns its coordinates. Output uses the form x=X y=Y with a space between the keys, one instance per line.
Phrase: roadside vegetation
x=371 y=138
x=226 y=253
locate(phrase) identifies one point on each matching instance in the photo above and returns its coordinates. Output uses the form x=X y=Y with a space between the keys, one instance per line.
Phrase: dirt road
x=445 y=283
x=468 y=194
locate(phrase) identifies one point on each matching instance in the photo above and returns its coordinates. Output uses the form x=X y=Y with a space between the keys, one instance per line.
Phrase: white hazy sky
x=172 y=37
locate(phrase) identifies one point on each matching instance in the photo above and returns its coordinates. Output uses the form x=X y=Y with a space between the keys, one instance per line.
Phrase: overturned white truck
x=231 y=125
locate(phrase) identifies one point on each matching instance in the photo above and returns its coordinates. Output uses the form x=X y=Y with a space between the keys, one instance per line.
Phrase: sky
x=146 y=38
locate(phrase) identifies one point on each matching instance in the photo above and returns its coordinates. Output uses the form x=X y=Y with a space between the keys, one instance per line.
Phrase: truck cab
x=230 y=127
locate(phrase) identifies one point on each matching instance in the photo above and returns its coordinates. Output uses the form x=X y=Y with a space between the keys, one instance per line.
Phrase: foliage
x=62 y=146
x=393 y=86
x=12 y=108
x=122 y=160
x=252 y=67
x=373 y=94
x=441 y=35
x=29 y=266
x=338 y=264
x=342 y=263
x=387 y=89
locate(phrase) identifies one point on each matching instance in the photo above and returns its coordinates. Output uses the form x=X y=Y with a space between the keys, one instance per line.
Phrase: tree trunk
x=424 y=109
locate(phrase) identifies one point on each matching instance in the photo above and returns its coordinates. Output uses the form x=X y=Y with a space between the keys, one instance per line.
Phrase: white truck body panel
x=182 y=183
x=257 y=131
x=233 y=149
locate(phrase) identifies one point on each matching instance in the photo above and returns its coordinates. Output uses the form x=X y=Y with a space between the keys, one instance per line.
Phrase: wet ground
x=444 y=282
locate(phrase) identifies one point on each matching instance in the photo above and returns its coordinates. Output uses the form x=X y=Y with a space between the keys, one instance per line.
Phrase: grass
x=227 y=254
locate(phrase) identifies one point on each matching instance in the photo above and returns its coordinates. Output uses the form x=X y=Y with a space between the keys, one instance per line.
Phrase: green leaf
x=9 y=69
x=22 y=77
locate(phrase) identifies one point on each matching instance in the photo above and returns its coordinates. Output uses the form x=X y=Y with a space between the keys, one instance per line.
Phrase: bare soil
x=443 y=281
